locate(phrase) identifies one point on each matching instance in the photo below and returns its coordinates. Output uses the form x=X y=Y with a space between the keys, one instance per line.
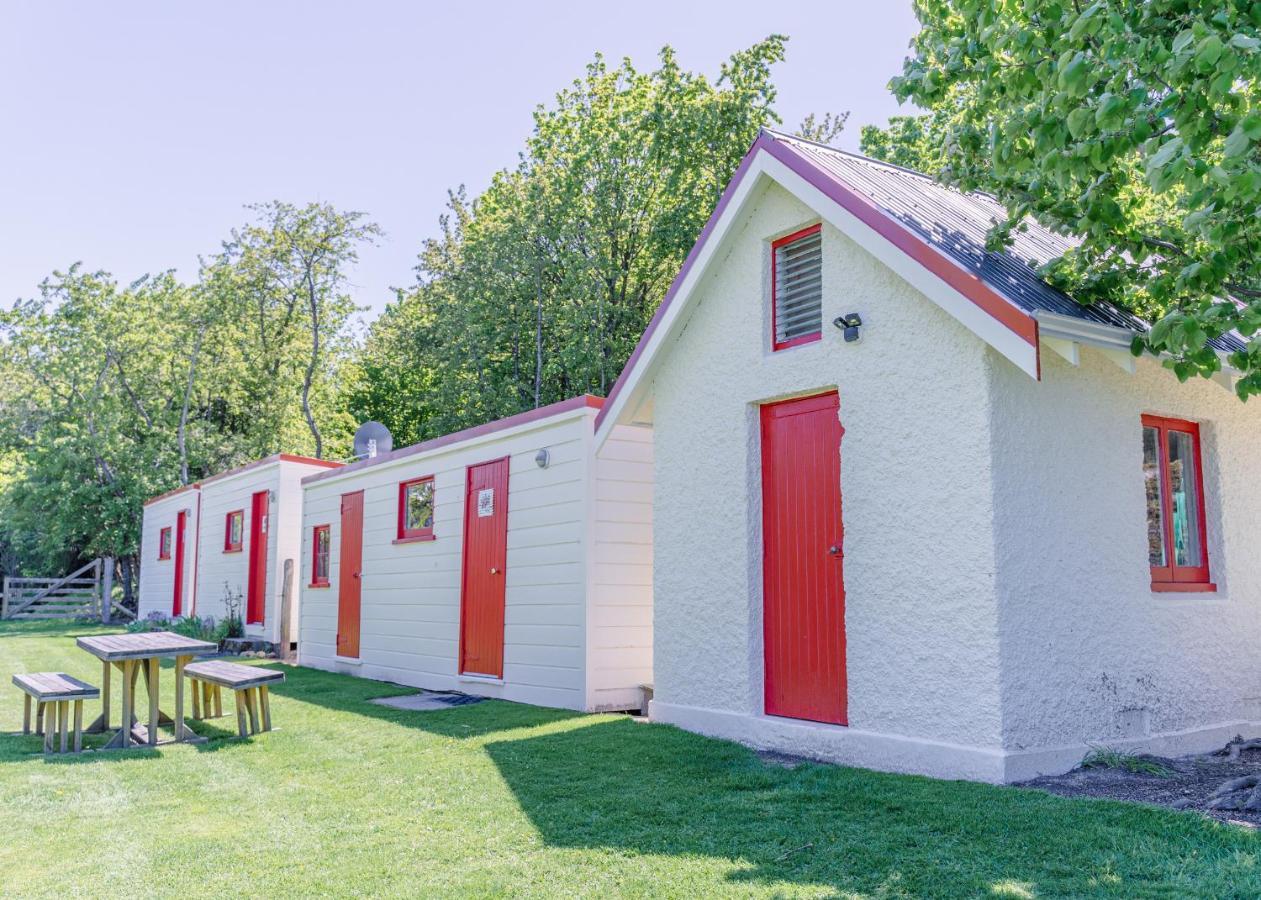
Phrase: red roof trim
x=171 y=493
x=268 y=460
x=967 y=284
x=584 y=401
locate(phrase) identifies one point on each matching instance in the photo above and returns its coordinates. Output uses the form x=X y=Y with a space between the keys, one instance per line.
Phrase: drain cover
x=428 y=700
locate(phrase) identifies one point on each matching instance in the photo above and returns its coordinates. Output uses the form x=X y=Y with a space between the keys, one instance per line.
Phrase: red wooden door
x=349 y=578
x=256 y=598
x=803 y=588
x=485 y=558
x=177 y=598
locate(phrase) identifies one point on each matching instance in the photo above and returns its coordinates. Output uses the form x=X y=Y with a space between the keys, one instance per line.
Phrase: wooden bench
x=56 y=690
x=250 y=684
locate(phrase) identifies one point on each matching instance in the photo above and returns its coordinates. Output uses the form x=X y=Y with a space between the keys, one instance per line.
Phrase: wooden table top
x=147 y=644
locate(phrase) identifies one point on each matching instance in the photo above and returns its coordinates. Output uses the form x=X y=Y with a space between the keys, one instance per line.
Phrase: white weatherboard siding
x=921 y=605
x=156 y=590
x=220 y=572
x=410 y=606
x=1090 y=655
x=619 y=614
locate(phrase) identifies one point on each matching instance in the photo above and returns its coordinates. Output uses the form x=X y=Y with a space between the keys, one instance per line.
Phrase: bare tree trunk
x=188 y=392
x=314 y=302
x=538 y=337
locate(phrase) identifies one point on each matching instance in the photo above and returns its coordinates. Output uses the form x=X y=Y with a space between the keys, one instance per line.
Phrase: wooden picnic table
x=132 y=654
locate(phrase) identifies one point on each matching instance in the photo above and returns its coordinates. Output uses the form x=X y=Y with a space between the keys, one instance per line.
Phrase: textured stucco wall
x=1090 y=653
x=921 y=617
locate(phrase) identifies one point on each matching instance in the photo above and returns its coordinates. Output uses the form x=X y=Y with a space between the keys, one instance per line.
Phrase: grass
x=496 y=799
x=1109 y=758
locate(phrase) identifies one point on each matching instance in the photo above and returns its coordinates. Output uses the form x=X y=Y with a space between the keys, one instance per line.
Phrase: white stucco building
x=1017 y=542
x=504 y=560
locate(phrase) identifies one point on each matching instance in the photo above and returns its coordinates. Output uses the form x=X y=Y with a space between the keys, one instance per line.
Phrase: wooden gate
x=80 y=594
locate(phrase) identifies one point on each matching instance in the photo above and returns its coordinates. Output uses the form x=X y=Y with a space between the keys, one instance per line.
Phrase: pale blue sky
x=132 y=133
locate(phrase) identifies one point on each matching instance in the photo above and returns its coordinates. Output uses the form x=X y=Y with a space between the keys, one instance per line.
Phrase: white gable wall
x=1090 y=654
x=619 y=623
x=410 y=606
x=921 y=616
x=220 y=572
x=156 y=583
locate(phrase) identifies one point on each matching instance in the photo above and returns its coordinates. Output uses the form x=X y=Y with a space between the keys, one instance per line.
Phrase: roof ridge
x=880 y=163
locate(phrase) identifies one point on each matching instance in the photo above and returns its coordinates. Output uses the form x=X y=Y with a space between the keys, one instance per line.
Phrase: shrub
x=1108 y=758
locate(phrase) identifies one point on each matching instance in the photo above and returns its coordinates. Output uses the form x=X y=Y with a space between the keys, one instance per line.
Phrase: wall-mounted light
x=849 y=323
x=542 y=458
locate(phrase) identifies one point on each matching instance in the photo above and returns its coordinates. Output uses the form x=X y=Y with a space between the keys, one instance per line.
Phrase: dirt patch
x=1188 y=784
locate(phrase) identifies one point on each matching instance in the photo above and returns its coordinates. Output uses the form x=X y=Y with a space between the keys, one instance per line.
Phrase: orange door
x=350 y=577
x=485 y=557
x=256 y=597
x=803 y=587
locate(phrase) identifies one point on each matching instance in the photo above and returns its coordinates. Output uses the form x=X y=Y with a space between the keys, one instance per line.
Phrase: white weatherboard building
x=243 y=524
x=506 y=561
x=972 y=543
x=168 y=550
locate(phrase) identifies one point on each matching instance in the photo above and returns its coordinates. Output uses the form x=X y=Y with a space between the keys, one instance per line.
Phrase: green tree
x=919 y=143
x=116 y=393
x=1133 y=126
x=540 y=287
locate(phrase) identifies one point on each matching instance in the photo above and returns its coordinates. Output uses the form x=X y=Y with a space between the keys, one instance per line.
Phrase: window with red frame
x=233 y=529
x=320 y=542
x=164 y=543
x=415 y=509
x=1177 y=544
x=797 y=288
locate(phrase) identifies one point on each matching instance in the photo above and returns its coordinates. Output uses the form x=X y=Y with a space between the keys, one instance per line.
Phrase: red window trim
x=1171 y=577
x=316 y=580
x=777 y=345
x=409 y=535
x=228 y=546
x=164 y=540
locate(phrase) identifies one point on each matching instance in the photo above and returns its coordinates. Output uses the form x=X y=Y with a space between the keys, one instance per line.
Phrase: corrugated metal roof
x=956 y=224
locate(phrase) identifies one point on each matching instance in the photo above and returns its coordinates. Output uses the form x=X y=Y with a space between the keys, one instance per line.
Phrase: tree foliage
x=116 y=393
x=1134 y=126
x=539 y=288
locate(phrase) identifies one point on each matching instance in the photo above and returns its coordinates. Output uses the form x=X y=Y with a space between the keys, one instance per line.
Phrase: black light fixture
x=849 y=323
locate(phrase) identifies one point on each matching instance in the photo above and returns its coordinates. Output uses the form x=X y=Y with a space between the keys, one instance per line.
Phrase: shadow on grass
x=657 y=790
x=345 y=693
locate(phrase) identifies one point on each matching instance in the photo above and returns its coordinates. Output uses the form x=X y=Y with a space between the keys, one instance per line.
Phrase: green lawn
x=349 y=798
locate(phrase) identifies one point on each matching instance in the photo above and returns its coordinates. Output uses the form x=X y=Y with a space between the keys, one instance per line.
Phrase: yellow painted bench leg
x=195 y=687
x=218 y=692
x=39 y=717
x=78 y=726
x=26 y=715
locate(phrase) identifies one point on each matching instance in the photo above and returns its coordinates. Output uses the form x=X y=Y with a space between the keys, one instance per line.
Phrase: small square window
x=415 y=508
x=320 y=542
x=233 y=529
x=1177 y=546
x=164 y=543
x=797 y=288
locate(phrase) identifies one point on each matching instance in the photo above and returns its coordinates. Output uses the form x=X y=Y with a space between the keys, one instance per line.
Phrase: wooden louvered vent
x=798 y=287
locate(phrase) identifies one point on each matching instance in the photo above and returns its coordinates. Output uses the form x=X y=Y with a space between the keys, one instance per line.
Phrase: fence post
x=107 y=589
x=286 y=612
x=4 y=600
